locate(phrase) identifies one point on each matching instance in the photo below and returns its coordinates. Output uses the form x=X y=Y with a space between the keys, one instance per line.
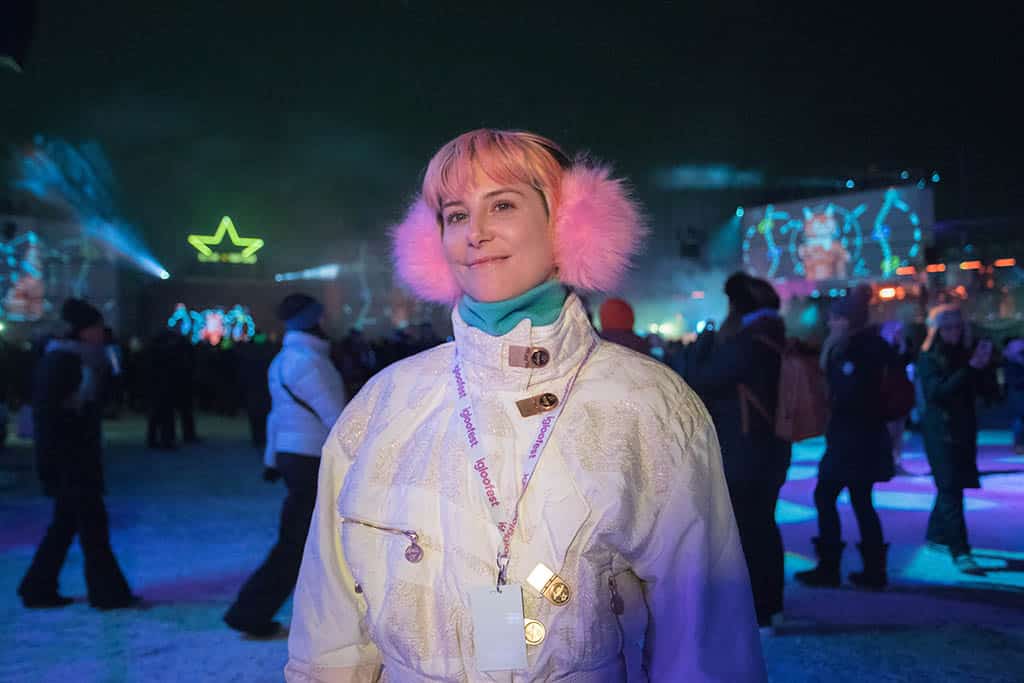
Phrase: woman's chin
x=489 y=293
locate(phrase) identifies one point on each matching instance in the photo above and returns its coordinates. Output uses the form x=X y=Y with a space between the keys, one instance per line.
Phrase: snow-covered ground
x=188 y=527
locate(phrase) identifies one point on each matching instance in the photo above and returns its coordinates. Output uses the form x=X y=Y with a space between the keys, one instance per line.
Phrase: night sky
x=311 y=126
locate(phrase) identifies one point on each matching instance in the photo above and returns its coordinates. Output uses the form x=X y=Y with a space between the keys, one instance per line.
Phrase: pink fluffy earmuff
x=598 y=229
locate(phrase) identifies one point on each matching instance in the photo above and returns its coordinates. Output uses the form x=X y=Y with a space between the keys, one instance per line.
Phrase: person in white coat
x=529 y=502
x=307 y=395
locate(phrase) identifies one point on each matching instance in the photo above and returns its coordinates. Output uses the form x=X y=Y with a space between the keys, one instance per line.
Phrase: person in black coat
x=948 y=374
x=736 y=373
x=162 y=374
x=67 y=414
x=253 y=358
x=858 y=451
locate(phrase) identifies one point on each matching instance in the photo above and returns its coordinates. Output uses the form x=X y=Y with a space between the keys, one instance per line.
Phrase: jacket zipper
x=414 y=553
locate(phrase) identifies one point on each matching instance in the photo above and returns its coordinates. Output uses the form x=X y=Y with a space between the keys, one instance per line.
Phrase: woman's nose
x=479 y=231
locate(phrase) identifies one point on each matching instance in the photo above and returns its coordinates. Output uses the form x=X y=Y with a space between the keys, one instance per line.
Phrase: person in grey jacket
x=307 y=396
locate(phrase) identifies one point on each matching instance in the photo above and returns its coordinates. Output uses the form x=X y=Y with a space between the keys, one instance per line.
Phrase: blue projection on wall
x=840 y=238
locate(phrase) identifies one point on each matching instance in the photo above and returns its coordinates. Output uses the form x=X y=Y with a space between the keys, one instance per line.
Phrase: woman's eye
x=503 y=205
x=454 y=217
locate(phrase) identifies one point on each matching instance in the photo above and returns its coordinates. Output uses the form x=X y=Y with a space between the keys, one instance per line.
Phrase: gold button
x=539 y=358
x=534 y=632
x=547 y=401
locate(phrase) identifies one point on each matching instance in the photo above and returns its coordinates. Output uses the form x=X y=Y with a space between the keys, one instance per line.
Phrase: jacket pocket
x=398 y=571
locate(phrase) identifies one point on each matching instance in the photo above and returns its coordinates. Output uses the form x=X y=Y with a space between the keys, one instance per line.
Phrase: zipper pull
x=414 y=553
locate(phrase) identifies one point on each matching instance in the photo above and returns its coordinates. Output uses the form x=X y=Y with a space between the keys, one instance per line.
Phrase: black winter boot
x=875 y=575
x=826 y=574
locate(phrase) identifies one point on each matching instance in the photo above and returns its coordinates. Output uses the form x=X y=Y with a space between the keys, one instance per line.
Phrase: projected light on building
x=213 y=325
x=246 y=247
x=859 y=235
x=80 y=181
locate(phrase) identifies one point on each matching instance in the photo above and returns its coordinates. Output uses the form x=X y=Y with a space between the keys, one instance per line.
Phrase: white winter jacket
x=303 y=364
x=629 y=496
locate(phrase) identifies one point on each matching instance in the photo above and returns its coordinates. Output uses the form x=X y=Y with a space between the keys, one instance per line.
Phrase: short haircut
x=505 y=156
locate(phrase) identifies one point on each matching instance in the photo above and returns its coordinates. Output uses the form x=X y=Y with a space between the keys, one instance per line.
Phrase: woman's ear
x=598 y=229
x=419 y=256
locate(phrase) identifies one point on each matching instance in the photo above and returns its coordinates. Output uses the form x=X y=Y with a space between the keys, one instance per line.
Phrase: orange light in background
x=887 y=293
x=960 y=291
x=901 y=293
x=1005 y=262
x=906 y=270
x=936 y=268
x=697 y=294
x=970 y=265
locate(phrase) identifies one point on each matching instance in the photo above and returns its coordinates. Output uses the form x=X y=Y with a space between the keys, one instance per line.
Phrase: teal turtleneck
x=541 y=305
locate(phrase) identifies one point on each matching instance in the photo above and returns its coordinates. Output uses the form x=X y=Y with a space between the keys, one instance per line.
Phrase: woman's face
x=496 y=239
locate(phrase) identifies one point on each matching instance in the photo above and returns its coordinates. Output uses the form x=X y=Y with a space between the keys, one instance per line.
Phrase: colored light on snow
x=919 y=502
x=793 y=513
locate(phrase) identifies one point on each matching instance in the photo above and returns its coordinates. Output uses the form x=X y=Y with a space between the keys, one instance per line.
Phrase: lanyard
x=481 y=462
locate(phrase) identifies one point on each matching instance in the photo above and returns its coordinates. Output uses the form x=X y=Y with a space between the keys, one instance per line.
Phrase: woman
x=948 y=373
x=306 y=396
x=736 y=373
x=499 y=507
x=858 y=450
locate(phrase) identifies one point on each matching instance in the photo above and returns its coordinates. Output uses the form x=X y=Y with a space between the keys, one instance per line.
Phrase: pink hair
x=597 y=226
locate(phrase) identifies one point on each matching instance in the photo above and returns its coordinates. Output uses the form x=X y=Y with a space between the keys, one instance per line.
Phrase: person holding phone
x=949 y=372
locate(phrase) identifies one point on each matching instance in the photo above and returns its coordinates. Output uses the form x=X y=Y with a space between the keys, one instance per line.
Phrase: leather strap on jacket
x=298 y=401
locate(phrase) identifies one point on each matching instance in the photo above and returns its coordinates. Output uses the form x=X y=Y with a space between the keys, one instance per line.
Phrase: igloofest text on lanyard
x=478 y=453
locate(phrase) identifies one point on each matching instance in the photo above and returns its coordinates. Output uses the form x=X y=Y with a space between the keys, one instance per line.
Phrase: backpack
x=802 y=405
x=898 y=393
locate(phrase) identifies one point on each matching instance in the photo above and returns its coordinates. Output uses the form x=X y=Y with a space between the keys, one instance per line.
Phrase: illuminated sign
x=213 y=324
x=248 y=245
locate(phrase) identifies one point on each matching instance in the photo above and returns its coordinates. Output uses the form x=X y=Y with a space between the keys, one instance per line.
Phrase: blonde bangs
x=507 y=157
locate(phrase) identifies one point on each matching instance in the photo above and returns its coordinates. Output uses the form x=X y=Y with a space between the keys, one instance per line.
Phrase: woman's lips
x=485 y=261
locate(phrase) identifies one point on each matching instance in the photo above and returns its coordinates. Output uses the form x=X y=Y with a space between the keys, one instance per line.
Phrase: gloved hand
x=270 y=474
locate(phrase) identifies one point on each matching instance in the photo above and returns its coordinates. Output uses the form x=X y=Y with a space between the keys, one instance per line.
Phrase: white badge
x=498 y=628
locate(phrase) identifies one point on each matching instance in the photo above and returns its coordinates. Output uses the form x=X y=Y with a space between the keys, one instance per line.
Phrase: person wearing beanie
x=950 y=371
x=307 y=395
x=736 y=372
x=530 y=501
x=858 y=446
x=67 y=415
x=617 y=320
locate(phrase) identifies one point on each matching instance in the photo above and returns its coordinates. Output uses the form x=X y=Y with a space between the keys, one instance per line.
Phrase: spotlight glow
x=80 y=179
x=325 y=272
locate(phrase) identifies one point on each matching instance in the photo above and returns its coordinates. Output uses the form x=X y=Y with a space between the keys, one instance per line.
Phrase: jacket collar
x=298 y=339
x=486 y=359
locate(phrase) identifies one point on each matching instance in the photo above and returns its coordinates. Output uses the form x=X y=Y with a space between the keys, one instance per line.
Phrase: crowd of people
x=675 y=489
